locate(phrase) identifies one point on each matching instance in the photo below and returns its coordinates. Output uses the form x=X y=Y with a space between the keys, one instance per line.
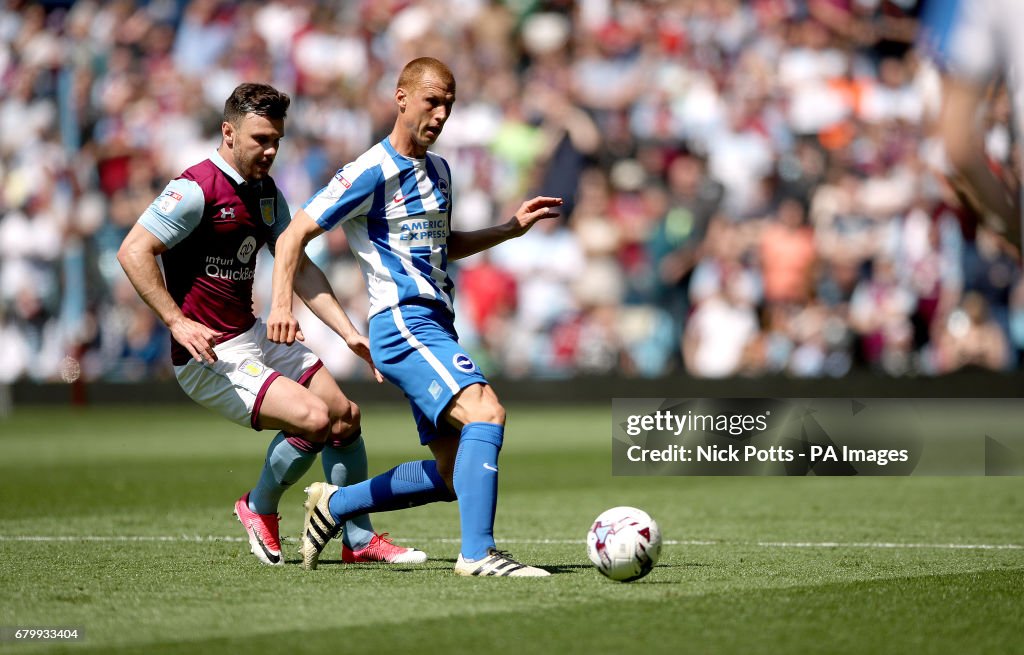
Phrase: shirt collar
x=223 y=165
x=394 y=153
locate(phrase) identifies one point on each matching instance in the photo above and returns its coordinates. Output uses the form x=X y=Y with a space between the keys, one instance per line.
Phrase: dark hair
x=260 y=99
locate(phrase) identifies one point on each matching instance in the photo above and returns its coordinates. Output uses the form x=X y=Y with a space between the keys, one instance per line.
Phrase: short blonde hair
x=419 y=68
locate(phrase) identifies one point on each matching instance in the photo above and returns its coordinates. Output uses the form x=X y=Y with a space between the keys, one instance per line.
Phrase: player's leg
x=477 y=410
x=307 y=406
x=481 y=417
x=345 y=463
x=415 y=347
x=461 y=399
x=445 y=448
x=474 y=477
x=304 y=422
x=344 y=454
x=242 y=388
x=406 y=361
x=407 y=485
x=414 y=364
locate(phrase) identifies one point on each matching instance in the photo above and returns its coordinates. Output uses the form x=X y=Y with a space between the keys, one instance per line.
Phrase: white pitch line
x=114 y=537
x=449 y=540
x=882 y=544
x=669 y=542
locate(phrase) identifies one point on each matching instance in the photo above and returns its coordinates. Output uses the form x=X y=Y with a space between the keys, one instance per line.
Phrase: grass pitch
x=118 y=521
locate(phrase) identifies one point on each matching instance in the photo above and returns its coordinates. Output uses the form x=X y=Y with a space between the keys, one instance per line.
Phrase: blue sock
x=407 y=485
x=288 y=459
x=476 y=485
x=345 y=465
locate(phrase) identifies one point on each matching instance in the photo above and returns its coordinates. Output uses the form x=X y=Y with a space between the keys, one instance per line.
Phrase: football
x=624 y=543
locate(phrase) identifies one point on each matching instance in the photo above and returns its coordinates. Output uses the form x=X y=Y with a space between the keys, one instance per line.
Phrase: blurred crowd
x=752 y=188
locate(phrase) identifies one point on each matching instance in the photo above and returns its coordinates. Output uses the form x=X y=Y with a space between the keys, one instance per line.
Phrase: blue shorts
x=415 y=347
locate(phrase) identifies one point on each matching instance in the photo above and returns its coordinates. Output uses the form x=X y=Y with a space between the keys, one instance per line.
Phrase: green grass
x=139 y=548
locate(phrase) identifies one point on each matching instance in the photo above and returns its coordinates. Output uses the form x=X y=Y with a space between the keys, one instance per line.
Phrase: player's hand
x=198 y=339
x=534 y=210
x=283 y=328
x=360 y=345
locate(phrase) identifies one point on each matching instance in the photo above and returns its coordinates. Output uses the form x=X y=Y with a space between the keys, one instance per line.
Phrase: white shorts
x=234 y=385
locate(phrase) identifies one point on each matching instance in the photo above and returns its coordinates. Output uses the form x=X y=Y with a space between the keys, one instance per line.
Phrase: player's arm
x=288 y=258
x=974 y=179
x=169 y=219
x=137 y=255
x=464 y=244
x=313 y=288
x=349 y=193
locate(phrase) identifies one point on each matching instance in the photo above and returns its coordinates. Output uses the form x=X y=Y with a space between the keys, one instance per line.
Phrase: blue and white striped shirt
x=395 y=211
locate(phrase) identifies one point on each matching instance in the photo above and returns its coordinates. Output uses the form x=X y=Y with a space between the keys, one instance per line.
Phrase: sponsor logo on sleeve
x=442 y=186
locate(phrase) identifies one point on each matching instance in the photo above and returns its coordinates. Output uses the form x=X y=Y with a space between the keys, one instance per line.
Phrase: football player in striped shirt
x=395 y=204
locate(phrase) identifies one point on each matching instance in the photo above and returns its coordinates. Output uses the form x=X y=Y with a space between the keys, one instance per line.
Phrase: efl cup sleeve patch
x=168 y=201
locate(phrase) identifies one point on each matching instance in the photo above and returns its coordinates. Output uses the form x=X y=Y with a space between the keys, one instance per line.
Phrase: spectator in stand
x=720 y=333
x=970 y=338
x=787 y=255
x=729 y=105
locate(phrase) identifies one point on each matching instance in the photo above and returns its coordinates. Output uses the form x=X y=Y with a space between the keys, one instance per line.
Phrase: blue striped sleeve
x=349 y=194
x=175 y=212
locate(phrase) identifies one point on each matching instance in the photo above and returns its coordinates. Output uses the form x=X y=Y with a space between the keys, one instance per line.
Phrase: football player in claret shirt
x=207 y=227
x=394 y=203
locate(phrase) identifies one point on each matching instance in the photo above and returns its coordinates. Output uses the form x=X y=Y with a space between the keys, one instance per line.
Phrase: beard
x=253 y=168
